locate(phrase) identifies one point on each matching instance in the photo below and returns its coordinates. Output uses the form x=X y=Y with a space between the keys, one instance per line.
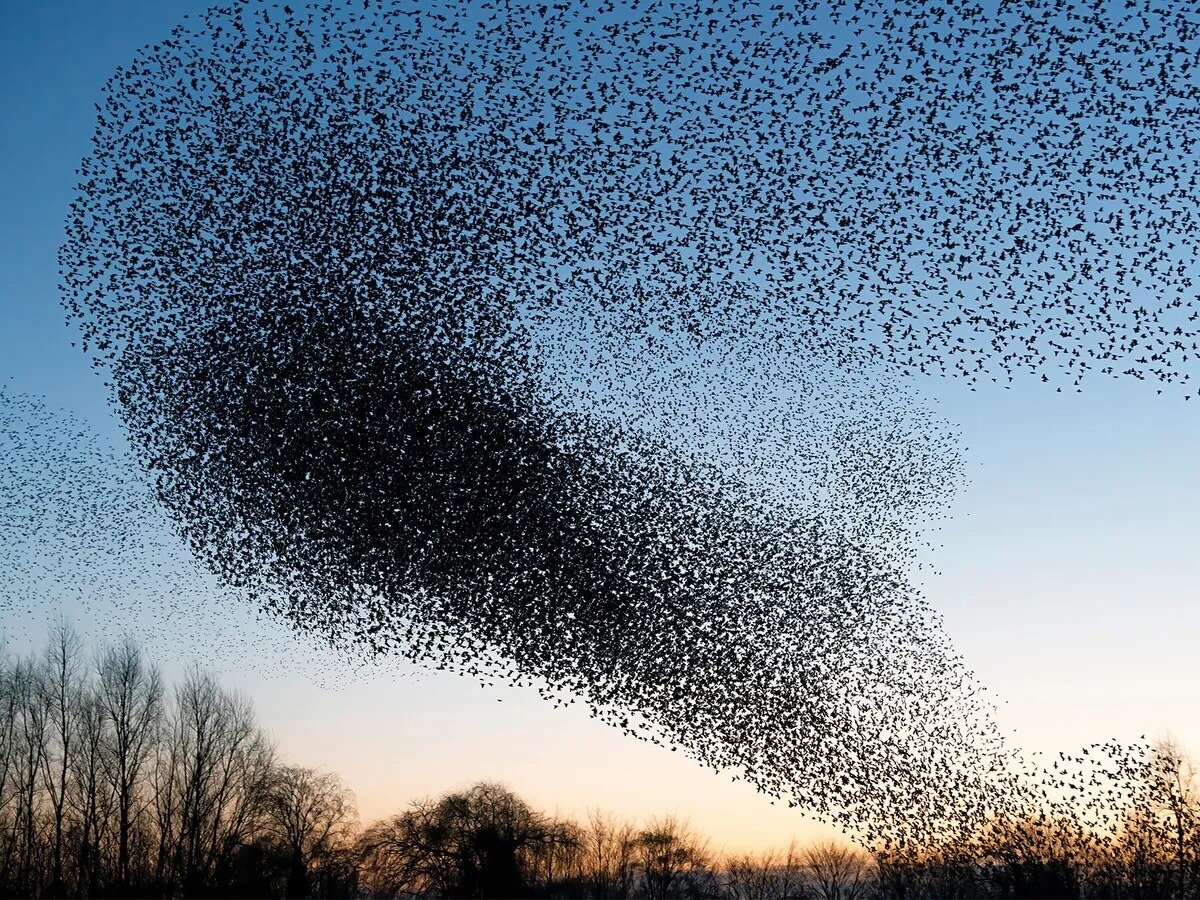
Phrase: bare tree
x=32 y=729
x=410 y=853
x=10 y=746
x=104 y=794
x=555 y=863
x=1157 y=851
x=130 y=692
x=837 y=872
x=1176 y=798
x=763 y=876
x=221 y=767
x=59 y=681
x=481 y=842
x=91 y=796
x=674 y=860
x=607 y=855
x=311 y=815
x=167 y=791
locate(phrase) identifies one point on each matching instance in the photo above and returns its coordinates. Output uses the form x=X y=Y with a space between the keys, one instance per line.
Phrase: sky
x=1067 y=572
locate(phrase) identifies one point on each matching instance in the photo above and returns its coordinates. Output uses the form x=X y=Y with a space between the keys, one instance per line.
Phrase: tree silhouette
x=113 y=786
x=311 y=816
x=482 y=842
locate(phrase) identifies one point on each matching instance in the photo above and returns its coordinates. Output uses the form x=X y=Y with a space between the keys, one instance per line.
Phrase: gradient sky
x=1068 y=575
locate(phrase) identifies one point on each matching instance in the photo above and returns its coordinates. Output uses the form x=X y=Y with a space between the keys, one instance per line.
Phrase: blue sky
x=1068 y=574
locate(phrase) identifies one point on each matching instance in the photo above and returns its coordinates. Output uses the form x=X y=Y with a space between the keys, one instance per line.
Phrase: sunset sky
x=1067 y=572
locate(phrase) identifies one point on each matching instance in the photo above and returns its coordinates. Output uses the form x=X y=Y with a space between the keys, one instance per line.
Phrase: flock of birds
x=567 y=343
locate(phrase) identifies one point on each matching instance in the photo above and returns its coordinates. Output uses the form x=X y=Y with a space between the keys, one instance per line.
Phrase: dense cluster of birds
x=563 y=343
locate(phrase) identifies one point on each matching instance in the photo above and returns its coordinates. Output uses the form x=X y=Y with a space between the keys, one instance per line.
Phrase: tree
x=310 y=814
x=91 y=796
x=607 y=856
x=1175 y=797
x=837 y=872
x=762 y=876
x=31 y=733
x=59 y=681
x=481 y=842
x=130 y=693
x=107 y=788
x=10 y=715
x=220 y=766
x=674 y=860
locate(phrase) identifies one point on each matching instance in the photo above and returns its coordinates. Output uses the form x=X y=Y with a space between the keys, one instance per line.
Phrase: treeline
x=486 y=842
x=113 y=784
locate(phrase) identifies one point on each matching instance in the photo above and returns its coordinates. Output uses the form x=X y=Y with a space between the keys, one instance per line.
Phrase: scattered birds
x=83 y=538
